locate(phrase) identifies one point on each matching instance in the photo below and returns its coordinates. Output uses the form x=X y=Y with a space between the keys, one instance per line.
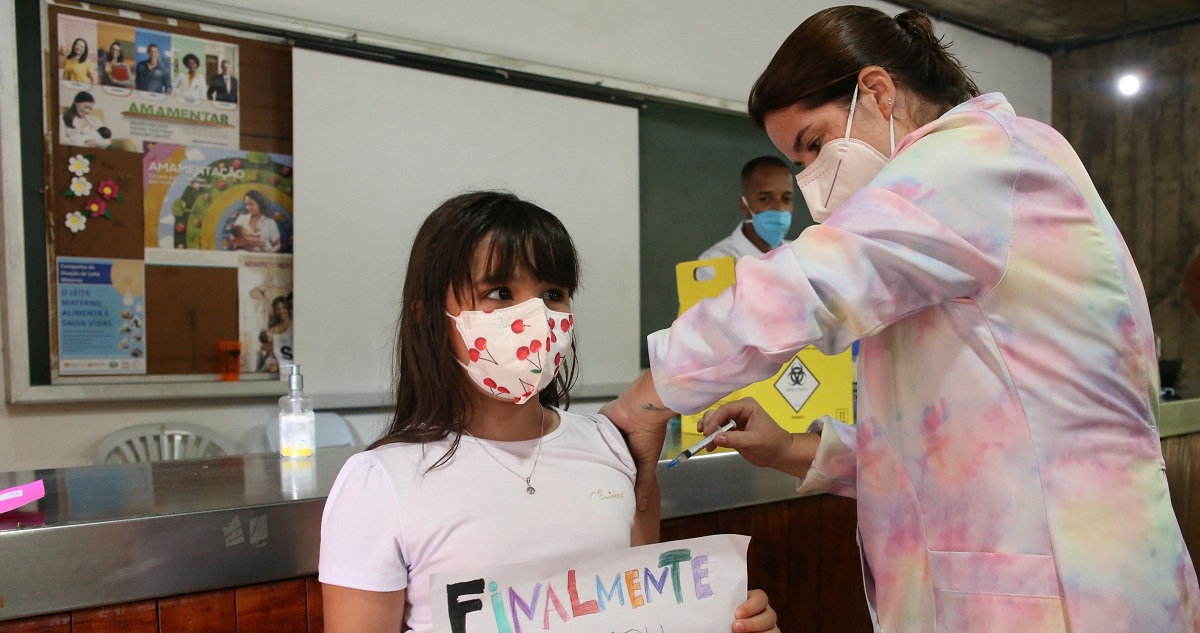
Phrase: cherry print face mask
x=515 y=352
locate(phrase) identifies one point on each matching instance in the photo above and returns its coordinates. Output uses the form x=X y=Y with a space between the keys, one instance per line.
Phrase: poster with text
x=101 y=316
x=220 y=201
x=121 y=85
x=692 y=585
x=265 y=311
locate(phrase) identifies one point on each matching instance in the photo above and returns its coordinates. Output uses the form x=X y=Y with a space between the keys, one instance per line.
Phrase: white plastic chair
x=162 y=442
x=332 y=430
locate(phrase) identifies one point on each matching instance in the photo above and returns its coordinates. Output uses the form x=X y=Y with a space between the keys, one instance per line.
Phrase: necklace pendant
x=530 y=489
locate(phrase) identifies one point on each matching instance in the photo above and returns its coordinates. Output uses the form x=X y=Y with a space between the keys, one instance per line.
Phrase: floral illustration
x=80 y=186
x=109 y=190
x=79 y=164
x=76 y=221
x=96 y=207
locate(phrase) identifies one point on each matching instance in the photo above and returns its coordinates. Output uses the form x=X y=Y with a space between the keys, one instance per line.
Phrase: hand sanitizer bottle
x=297 y=422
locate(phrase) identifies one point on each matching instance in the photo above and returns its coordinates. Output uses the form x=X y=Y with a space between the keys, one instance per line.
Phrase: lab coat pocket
x=996 y=593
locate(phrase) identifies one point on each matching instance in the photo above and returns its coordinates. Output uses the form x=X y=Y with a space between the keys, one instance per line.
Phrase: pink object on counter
x=13 y=498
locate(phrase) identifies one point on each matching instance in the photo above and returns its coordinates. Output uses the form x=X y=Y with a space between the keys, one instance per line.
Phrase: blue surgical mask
x=770 y=224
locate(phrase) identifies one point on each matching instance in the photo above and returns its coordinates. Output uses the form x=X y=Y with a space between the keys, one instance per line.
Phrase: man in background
x=223 y=87
x=766 y=209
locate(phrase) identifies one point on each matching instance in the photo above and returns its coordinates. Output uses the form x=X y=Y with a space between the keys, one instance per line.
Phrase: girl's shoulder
x=599 y=432
x=396 y=461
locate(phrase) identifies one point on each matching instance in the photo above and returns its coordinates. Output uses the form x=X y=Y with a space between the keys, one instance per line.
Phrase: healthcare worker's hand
x=642 y=417
x=755 y=614
x=759 y=438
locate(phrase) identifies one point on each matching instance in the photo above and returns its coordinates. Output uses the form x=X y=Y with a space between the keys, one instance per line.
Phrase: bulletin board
x=168 y=200
x=163 y=257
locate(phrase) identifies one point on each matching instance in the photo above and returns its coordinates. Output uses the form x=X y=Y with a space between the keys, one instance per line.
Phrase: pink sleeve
x=877 y=259
x=360 y=530
x=835 y=468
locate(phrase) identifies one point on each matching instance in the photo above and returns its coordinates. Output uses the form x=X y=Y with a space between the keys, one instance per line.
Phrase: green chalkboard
x=691 y=161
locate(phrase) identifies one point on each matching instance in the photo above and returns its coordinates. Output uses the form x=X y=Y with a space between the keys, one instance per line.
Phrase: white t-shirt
x=281 y=343
x=737 y=246
x=389 y=525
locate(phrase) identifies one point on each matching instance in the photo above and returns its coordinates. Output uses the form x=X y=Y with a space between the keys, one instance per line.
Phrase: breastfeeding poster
x=121 y=85
x=265 y=312
x=101 y=316
x=691 y=585
x=217 y=201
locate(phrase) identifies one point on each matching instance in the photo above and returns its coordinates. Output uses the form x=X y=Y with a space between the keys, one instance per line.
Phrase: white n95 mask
x=843 y=166
x=515 y=352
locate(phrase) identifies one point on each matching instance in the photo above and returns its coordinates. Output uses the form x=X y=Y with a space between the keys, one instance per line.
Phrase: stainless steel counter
x=112 y=534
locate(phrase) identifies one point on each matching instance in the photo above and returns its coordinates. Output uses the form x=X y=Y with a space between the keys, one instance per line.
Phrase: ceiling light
x=1129 y=85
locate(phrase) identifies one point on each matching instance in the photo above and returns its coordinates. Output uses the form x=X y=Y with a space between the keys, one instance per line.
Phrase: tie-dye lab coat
x=1007 y=468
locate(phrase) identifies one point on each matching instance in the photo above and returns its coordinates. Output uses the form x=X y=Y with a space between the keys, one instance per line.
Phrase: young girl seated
x=480 y=466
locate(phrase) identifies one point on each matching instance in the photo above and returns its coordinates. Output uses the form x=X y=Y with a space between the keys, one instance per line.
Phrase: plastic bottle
x=297 y=421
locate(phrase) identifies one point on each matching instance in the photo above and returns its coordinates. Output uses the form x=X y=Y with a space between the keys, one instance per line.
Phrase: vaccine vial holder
x=297 y=420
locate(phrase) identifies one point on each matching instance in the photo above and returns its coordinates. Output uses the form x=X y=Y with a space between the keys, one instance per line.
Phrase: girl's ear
x=417 y=308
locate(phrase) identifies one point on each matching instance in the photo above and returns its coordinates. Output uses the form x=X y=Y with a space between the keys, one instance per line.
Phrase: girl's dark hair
x=72 y=112
x=191 y=57
x=433 y=394
x=258 y=198
x=819 y=62
x=120 y=56
x=82 y=56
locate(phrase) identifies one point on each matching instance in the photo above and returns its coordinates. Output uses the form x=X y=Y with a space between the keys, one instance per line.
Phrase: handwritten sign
x=689 y=586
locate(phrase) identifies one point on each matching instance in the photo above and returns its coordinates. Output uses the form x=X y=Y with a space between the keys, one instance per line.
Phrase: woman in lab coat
x=1006 y=463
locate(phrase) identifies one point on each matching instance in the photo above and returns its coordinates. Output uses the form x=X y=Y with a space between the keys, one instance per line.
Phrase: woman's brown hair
x=820 y=61
x=432 y=393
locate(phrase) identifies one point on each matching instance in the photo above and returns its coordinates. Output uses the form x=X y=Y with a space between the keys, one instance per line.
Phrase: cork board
x=136 y=102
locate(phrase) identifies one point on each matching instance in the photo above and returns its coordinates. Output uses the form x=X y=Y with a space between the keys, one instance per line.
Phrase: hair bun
x=918 y=27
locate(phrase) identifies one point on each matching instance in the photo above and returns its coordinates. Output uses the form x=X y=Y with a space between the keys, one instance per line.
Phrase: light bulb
x=1129 y=85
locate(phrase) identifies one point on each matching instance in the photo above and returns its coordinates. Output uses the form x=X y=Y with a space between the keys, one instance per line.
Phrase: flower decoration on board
x=99 y=204
x=79 y=164
x=109 y=190
x=80 y=187
x=97 y=208
x=76 y=221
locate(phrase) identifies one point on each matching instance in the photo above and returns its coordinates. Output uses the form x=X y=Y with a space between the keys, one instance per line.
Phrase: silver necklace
x=528 y=486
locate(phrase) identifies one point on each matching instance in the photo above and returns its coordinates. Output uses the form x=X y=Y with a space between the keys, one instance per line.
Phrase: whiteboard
x=378 y=147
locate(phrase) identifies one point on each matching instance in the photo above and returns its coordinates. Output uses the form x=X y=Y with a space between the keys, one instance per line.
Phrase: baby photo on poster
x=203 y=198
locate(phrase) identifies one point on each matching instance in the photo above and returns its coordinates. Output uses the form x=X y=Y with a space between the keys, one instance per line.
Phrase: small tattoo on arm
x=650 y=407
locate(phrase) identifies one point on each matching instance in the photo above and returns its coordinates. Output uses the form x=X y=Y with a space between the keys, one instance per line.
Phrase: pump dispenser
x=297 y=421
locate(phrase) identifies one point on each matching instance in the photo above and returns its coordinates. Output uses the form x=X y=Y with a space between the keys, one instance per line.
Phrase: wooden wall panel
x=1141 y=153
x=803 y=553
x=134 y=617
x=278 y=607
x=1182 y=455
x=770 y=544
x=316 y=610
x=57 y=623
x=209 y=612
x=808 y=545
